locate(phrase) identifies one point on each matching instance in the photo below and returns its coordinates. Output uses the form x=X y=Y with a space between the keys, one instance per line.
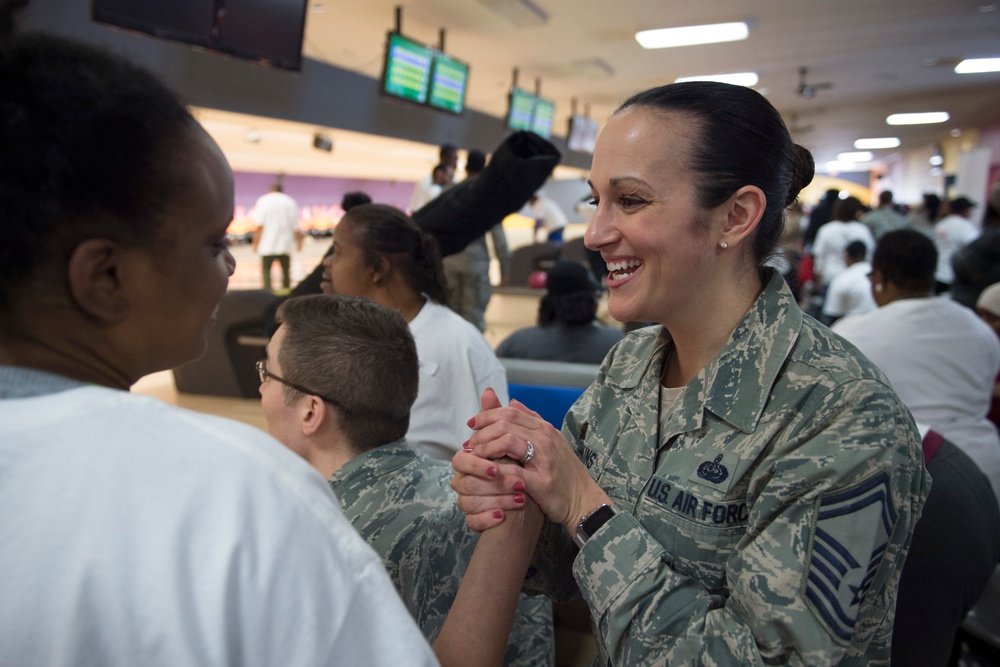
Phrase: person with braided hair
x=739 y=485
x=380 y=253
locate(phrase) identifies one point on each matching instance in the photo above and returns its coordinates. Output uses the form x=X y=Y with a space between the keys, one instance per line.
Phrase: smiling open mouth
x=623 y=269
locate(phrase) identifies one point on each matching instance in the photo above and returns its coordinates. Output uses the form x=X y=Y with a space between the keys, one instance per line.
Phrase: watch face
x=600 y=517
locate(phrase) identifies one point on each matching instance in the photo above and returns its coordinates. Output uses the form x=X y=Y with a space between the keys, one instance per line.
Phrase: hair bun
x=802 y=172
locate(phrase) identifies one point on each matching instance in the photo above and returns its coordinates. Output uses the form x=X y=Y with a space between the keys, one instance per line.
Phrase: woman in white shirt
x=833 y=238
x=380 y=253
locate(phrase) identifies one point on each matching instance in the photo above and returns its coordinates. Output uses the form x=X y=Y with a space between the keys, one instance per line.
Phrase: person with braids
x=134 y=532
x=380 y=253
x=739 y=486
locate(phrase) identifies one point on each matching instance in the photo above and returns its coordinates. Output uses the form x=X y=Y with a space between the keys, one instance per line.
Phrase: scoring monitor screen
x=449 y=80
x=522 y=106
x=541 y=119
x=407 y=69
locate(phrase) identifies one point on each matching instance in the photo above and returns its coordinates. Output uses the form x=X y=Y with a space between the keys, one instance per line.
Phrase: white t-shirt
x=951 y=234
x=942 y=361
x=831 y=241
x=549 y=213
x=850 y=292
x=456 y=366
x=137 y=533
x=423 y=192
x=277 y=215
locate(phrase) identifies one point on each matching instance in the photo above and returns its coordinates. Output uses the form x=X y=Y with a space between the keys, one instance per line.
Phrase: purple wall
x=318 y=196
x=319 y=190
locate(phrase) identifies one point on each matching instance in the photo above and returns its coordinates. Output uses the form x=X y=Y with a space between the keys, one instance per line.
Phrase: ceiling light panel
x=978 y=66
x=925 y=118
x=857 y=156
x=876 y=143
x=691 y=35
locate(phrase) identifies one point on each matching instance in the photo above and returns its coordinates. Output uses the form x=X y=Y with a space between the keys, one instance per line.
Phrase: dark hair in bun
x=742 y=141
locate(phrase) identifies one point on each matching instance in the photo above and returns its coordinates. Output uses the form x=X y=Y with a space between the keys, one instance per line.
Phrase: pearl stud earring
x=723 y=245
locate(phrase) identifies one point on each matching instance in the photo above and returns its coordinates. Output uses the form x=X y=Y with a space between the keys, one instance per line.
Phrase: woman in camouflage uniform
x=741 y=484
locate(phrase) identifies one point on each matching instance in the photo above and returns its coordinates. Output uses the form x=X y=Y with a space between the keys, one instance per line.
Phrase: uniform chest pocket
x=699 y=529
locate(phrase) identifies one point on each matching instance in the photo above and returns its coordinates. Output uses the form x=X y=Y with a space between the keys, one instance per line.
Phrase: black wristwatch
x=590 y=523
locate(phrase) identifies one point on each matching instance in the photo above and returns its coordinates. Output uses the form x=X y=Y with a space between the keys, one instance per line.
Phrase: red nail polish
x=491 y=471
x=467 y=447
x=519 y=486
x=497 y=514
x=472 y=423
x=518 y=497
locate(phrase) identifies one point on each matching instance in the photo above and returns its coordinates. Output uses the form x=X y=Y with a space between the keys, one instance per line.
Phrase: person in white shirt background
x=833 y=237
x=548 y=217
x=441 y=177
x=850 y=292
x=277 y=234
x=940 y=357
x=952 y=233
x=380 y=253
x=942 y=360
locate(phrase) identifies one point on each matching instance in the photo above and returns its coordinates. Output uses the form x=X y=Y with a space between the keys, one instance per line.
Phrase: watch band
x=592 y=522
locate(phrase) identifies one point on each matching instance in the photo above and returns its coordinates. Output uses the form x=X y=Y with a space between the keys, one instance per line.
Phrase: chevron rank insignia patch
x=849 y=539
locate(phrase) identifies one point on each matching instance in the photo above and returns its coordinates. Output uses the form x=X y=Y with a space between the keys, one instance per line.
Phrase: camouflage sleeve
x=551 y=569
x=532 y=638
x=812 y=581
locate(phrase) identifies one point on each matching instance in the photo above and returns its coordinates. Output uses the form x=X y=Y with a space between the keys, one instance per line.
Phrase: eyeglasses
x=265 y=374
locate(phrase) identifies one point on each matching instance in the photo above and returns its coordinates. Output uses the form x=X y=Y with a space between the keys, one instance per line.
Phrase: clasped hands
x=490 y=480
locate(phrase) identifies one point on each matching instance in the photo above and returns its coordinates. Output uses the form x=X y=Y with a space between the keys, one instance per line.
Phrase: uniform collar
x=379 y=461
x=736 y=383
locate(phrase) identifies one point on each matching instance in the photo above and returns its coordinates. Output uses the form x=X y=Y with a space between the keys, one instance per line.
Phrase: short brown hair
x=357 y=352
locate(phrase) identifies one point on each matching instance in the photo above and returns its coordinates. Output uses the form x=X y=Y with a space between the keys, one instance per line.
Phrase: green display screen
x=541 y=119
x=522 y=106
x=448 y=84
x=407 y=69
x=530 y=112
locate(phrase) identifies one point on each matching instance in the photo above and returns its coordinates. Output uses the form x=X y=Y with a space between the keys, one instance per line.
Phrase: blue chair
x=548 y=387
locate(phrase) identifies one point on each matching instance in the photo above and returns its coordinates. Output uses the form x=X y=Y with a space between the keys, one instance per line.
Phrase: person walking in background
x=567 y=328
x=277 y=234
x=548 y=218
x=952 y=233
x=468 y=272
x=440 y=178
x=885 y=218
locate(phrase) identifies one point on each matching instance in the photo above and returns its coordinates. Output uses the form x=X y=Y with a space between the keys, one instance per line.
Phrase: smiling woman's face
x=646 y=225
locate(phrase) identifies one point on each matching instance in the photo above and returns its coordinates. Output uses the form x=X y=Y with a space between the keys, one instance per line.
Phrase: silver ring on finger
x=530 y=454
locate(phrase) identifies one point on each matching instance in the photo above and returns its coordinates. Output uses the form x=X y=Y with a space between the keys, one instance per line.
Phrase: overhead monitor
x=520 y=110
x=542 y=117
x=449 y=80
x=268 y=32
x=582 y=134
x=407 y=72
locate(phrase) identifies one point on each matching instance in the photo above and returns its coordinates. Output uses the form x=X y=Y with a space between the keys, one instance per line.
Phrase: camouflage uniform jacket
x=767 y=524
x=402 y=504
